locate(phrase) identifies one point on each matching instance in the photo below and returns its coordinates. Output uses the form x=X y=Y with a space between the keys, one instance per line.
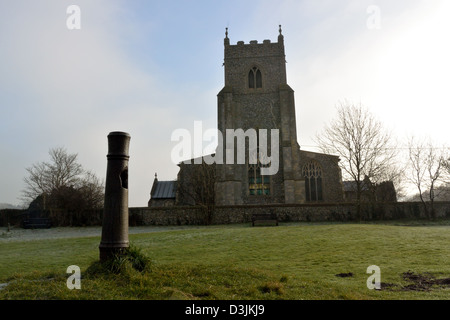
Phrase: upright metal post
x=115 y=215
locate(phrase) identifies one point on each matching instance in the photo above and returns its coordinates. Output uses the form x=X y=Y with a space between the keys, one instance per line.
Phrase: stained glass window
x=257 y=183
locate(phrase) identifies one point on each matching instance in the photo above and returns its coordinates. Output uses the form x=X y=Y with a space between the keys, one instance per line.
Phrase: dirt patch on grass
x=424 y=281
x=344 y=275
x=273 y=286
x=418 y=282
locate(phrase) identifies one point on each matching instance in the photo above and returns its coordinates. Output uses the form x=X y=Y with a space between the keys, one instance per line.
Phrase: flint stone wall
x=192 y=215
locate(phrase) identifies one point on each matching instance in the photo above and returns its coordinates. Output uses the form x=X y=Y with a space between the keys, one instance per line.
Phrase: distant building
x=163 y=193
x=370 y=192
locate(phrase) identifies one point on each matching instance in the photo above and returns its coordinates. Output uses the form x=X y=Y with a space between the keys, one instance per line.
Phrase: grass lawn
x=291 y=261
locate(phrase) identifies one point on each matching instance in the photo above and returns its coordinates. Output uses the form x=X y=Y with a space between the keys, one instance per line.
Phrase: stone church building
x=256 y=96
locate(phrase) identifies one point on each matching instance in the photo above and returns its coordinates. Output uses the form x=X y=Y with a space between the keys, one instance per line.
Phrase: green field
x=291 y=261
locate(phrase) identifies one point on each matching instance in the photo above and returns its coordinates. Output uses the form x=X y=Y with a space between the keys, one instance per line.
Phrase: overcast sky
x=150 y=67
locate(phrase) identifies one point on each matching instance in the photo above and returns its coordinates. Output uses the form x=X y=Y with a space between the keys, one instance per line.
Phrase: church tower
x=256 y=96
x=255 y=99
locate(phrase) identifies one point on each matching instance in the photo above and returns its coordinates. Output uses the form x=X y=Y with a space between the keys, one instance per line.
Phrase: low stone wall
x=193 y=215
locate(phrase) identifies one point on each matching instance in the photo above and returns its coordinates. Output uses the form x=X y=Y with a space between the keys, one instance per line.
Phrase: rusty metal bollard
x=115 y=213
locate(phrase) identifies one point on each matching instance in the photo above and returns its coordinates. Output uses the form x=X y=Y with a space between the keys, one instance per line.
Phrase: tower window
x=312 y=172
x=254 y=78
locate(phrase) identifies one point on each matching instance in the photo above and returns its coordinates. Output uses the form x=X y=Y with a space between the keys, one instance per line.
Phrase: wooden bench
x=36 y=223
x=264 y=219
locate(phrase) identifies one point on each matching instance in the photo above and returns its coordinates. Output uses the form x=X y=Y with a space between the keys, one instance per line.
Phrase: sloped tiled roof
x=164 y=190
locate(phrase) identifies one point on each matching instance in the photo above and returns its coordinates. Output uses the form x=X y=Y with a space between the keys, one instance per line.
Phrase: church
x=255 y=96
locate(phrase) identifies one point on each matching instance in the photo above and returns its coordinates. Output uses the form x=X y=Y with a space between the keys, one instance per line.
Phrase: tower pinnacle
x=226 y=41
x=280 y=36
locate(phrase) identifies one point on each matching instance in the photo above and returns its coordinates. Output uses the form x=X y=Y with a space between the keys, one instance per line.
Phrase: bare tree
x=427 y=171
x=45 y=177
x=93 y=190
x=197 y=187
x=365 y=148
x=62 y=183
x=447 y=166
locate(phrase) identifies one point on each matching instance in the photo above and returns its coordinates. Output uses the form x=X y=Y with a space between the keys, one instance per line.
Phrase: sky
x=151 y=67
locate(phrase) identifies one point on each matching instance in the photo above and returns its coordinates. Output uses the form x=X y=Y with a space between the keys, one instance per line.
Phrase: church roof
x=163 y=189
x=350 y=186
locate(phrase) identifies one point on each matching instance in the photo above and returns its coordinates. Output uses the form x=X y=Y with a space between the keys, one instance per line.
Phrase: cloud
x=71 y=88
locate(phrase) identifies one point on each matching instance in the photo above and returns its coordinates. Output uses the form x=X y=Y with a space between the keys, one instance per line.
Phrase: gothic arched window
x=254 y=78
x=312 y=172
x=257 y=183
